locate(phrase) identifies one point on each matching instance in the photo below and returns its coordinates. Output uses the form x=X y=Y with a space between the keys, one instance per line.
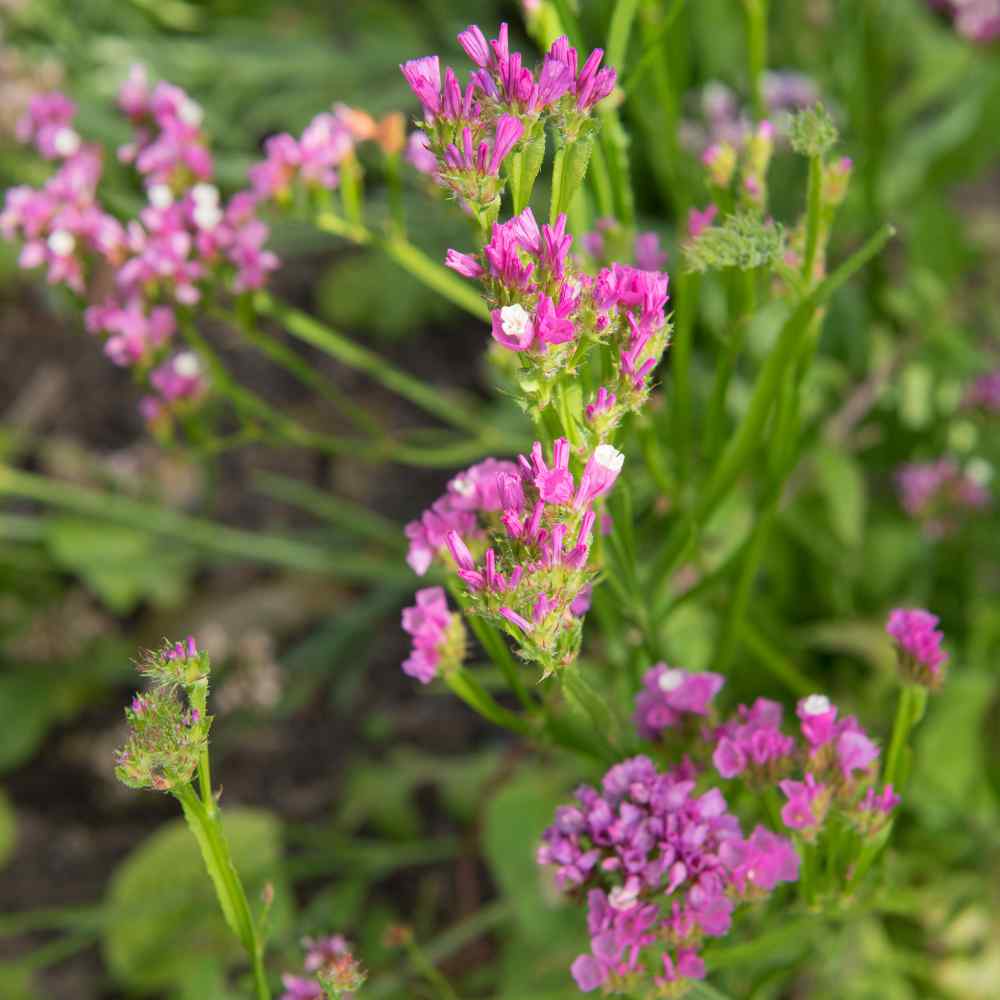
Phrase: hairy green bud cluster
x=168 y=727
x=742 y=240
x=812 y=132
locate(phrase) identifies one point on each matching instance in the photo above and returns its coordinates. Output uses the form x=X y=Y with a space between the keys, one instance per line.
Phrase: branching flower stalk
x=167 y=746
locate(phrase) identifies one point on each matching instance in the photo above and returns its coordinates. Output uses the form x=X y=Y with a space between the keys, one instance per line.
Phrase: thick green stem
x=681 y=351
x=312 y=331
x=228 y=887
x=743 y=298
x=757 y=54
x=745 y=440
x=412 y=259
x=909 y=711
x=814 y=212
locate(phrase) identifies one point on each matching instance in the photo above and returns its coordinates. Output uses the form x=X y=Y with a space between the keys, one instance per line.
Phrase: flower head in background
x=938 y=494
x=669 y=695
x=977 y=20
x=331 y=971
x=438 y=635
x=918 y=646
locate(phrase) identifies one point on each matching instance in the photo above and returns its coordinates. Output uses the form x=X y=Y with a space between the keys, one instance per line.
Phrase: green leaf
x=163 y=917
x=122 y=565
x=8 y=829
x=26 y=710
x=547 y=933
x=842 y=484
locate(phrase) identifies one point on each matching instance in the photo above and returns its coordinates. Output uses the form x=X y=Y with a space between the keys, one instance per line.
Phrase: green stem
x=429 y=971
x=465 y=685
x=909 y=710
x=232 y=896
x=744 y=297
x=412 y=259
x=297 y=366
x=745 y=440
x=558 y=179
x=312 y=331
x=757 y=54
x=814 y=212
x=681 y=351
x=209 y=536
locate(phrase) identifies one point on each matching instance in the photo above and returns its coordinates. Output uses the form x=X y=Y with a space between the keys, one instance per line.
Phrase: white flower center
x=66 y=142
x=160 y=196
x=463 y=486
x=62 y=243
x=190 y=113
x=816 y=704
x=622 y=897
x=187 y=365
x=206 y=215
x=609 y=458
x=670 y=680
x=515 y=320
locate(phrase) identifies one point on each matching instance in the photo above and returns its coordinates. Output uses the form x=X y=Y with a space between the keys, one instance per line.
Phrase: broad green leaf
x=163 y=916
x=122 y=565
x=842 y=484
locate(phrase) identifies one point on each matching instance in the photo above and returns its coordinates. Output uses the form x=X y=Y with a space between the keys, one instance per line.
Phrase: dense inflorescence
x=661 y=868
x=938 y=494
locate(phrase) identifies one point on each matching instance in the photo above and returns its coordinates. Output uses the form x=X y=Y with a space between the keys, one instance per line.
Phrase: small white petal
x=187 y=365
x=671 y=680
x=609 y=457
x=816 y=704
x=62 y=243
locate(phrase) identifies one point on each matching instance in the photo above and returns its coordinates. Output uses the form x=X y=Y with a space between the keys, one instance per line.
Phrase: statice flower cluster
x=331 y=971
x=918 y=645
x=167 y=734
x=977 y=20
x=551 y=315
x=438 y=636
x=661 y=868
x=833 y=756
x=311 y=161
x=185 y=241
x=938 y=494
x=670 y=696
x=537 y=569
x=519 y=537
x=721 y=120
x=470 y=505
x=607 y=234
x=984 y=393
x=473 y=130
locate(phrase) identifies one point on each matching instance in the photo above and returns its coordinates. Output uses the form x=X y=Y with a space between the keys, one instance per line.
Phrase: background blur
x=396 y=805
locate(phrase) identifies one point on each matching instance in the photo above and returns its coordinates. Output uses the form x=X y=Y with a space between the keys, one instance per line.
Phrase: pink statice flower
x=311 y=160
x=662 y=869
x=700 y=219
x=470 y=498
x=753 y=741
x=938 y=495
x=984 y=393
x=976 y=20
x=438 y=636
x=472 y=127
x=331 y=969
x=536 y=566
x=807 y=804
x=185 y=240
x=918 y=645
x=669 y=695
